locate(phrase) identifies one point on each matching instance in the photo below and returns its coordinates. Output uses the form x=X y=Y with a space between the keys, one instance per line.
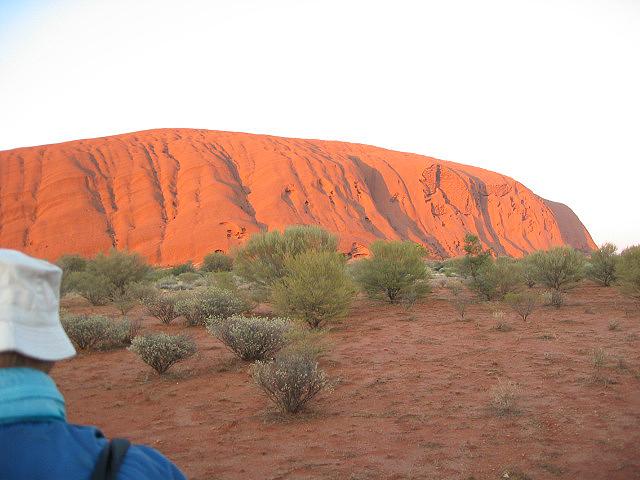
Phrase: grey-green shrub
x=124 y=301
x=121 y=333
x=261 y=260
x=602 y=265
x=87 y=332
x=217 y=262
x=160 y=351
x=198 y=306
x=315 y=288
x=70 y=264
x=523 y=303
x=494 y=279
x=528 y=272
x=191 y=278
x=291 y=380
x=169 y=283
x=96 y=289
x=559 y=269
x=163 y=306
x=394 y=269
x=120 y=268
x=251 y=338
x=628 y=268
x=182 y=268
x=474 y=258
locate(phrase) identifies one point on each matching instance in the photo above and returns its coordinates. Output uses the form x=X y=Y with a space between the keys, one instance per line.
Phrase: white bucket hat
x=30 y=308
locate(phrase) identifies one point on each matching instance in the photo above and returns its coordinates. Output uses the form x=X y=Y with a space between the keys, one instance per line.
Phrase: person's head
x=31 y=334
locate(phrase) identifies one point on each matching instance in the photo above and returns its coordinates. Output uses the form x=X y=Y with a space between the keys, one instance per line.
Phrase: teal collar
x=28 y=395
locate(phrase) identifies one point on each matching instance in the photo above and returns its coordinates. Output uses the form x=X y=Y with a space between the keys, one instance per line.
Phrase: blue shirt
x=37 y=443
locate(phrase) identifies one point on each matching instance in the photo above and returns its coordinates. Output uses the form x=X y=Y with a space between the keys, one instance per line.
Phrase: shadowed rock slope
x=177 y=194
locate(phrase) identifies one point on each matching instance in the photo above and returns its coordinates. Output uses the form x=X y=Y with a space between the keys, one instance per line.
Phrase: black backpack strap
x=110 y=459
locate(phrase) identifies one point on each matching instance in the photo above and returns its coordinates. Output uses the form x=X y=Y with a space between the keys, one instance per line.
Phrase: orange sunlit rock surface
x=177 y=194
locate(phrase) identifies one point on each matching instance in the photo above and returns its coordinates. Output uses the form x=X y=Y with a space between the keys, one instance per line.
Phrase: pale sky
x=545 y=91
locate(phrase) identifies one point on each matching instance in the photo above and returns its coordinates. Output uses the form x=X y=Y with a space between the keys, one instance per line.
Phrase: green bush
x=121 y=334
x=87 y=332
x=559 y=269
x=120 y=268
x=199 y=306
x=95 y=332
x=475 y=256
x=162 y=306
x=217 y=262
x=629 y=272
x=261 y=260
x=528 y=272
x=72 y=263
x=141 y=290
x=251 y=338
x=169 y=283
x=223 y=280
x=494 y=279
x=523 y=303
x=96 y=289
x=182 y=268
x=291 y=380
x=315 y=288
x=124 y=301
x=160 y=351
x=191 y=278
x=602 y=265
x=394 y=269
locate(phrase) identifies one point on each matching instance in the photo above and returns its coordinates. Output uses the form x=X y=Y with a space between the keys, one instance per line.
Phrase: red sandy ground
x=412 y=399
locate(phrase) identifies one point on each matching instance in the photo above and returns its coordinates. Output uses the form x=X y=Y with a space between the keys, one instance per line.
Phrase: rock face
x=177 y=194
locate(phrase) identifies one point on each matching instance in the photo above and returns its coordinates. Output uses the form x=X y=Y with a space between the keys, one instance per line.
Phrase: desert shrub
x=629 y=272
x=599 y=358
x=96 y=289
x=120 y=334
x=191 y=278
x=169 y=283
x=251 y=338
x=554 y=298
x=162 y=306
x=460 y=301
x=120 y=268
x=461 y=305
x=602 y=265
x=261 y=260
x=87 y=332
x=124 y=301
x=528 y=272
x=197 y=307
x=559 y=268
x=394 y=269
x=70 y=264
x=291 y=380
x=452 y=267
x=217 y=262
x=523 y=303
x=141 y=290
x=474 y=258
x=95 y=332
x=224 y=280
x=504 y=397
x=494 y=279
x=160 y=351
x=186 y=267
x=314 y=288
